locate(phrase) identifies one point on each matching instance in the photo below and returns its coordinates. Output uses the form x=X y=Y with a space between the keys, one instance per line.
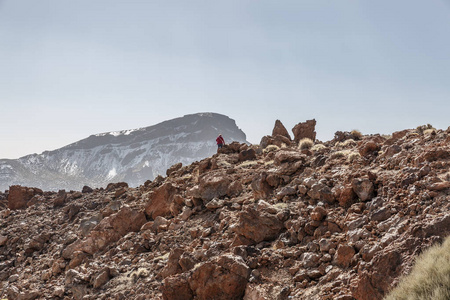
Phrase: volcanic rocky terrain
x=342 y=220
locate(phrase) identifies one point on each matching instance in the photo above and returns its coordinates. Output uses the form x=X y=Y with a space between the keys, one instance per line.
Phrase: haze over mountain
x=133 y=156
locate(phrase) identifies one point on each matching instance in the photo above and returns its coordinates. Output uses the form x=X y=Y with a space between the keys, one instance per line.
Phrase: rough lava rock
x=249 y=222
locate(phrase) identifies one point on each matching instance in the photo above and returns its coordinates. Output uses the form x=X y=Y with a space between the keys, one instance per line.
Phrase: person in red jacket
x=220 y=141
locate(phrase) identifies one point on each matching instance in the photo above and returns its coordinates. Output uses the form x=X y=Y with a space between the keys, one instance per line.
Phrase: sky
x=69 y=69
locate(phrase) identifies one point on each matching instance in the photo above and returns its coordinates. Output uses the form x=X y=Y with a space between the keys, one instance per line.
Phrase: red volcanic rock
x=19 y=196
x=328 y=227
x=279 y=129
x=318 y=213
x=344 y=255
x=223 y=278
x=177 y=288
x=87 y=189
x=278 y=140
x=248 y=154
x=363 y=188
x=261 y=187
x=305 y=130
x=173 y=168
x=173 y=267
x=213 y=185
x=60 y=199
x=320 y=191
x=164 y=201
x=347 y=196
x=258 y=225
x=369 y=147
x=109 y=230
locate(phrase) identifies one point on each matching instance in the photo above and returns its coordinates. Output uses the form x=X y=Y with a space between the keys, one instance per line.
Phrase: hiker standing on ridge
x=220 y=142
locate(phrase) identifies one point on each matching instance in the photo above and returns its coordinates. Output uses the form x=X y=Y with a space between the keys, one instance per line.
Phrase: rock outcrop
x=305 y=130
x=249 y=222
x=279 y=129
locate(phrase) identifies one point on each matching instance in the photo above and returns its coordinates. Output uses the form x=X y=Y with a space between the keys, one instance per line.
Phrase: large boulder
x=305 y=130
x=279 y=129
x=173 y=267
x=109 y=230
x=377 y=278
x=247 y=154
x=320 y=191
x=212 y=185
x=344 y=255
x=222 y=278
x=20 y=196
x=176 y=287
x=278 y=140
x=370 y=146
x=288 y=157
x=164 y=201
x=347 y=196
x=261 y=186
x=259 y=225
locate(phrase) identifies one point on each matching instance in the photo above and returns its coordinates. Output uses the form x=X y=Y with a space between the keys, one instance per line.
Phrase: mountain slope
x=343 y=220
x=133 y=156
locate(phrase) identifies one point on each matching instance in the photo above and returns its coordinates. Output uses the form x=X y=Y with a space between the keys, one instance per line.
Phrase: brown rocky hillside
x=341 y=220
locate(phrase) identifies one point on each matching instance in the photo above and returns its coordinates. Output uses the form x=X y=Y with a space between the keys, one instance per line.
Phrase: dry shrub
x=340 y=154
x=430 y=132
x=429 y=278
x=271 y=148
x=353 y=156
x=346 y=144
x=413 y=135
x=248 y=164
x=421 y=129
x=223 y=164
x=349 y=142
x=318 y=147
x=305 y=144
x=357 y=135
x=270 y=162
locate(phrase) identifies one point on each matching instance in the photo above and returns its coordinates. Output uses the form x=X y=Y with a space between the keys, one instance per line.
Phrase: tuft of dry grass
x=349 y=143
x=353 y=156
x=248 y=164
x=340 y=154
x=318 y=147
x=423 y=128
x=271 y=148
x=270 y=162
x=357 y=135
x=429 y=278
x=429 y=132
x=305 y=144
x=223 y=164
x=346 y=143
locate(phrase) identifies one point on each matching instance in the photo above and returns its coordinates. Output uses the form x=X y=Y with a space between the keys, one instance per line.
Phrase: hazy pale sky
x=69 y=69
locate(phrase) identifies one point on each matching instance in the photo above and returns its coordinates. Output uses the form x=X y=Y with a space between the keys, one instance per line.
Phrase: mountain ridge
x=133 y=155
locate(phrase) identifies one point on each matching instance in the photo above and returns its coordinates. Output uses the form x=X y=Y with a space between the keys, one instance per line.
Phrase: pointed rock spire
x=279 y=129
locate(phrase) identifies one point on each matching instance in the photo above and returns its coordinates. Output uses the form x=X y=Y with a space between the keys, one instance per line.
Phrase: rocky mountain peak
x=343 y=219
x=128 y=155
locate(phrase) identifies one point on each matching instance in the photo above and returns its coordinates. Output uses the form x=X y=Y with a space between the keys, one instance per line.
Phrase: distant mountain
x=133 y=156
